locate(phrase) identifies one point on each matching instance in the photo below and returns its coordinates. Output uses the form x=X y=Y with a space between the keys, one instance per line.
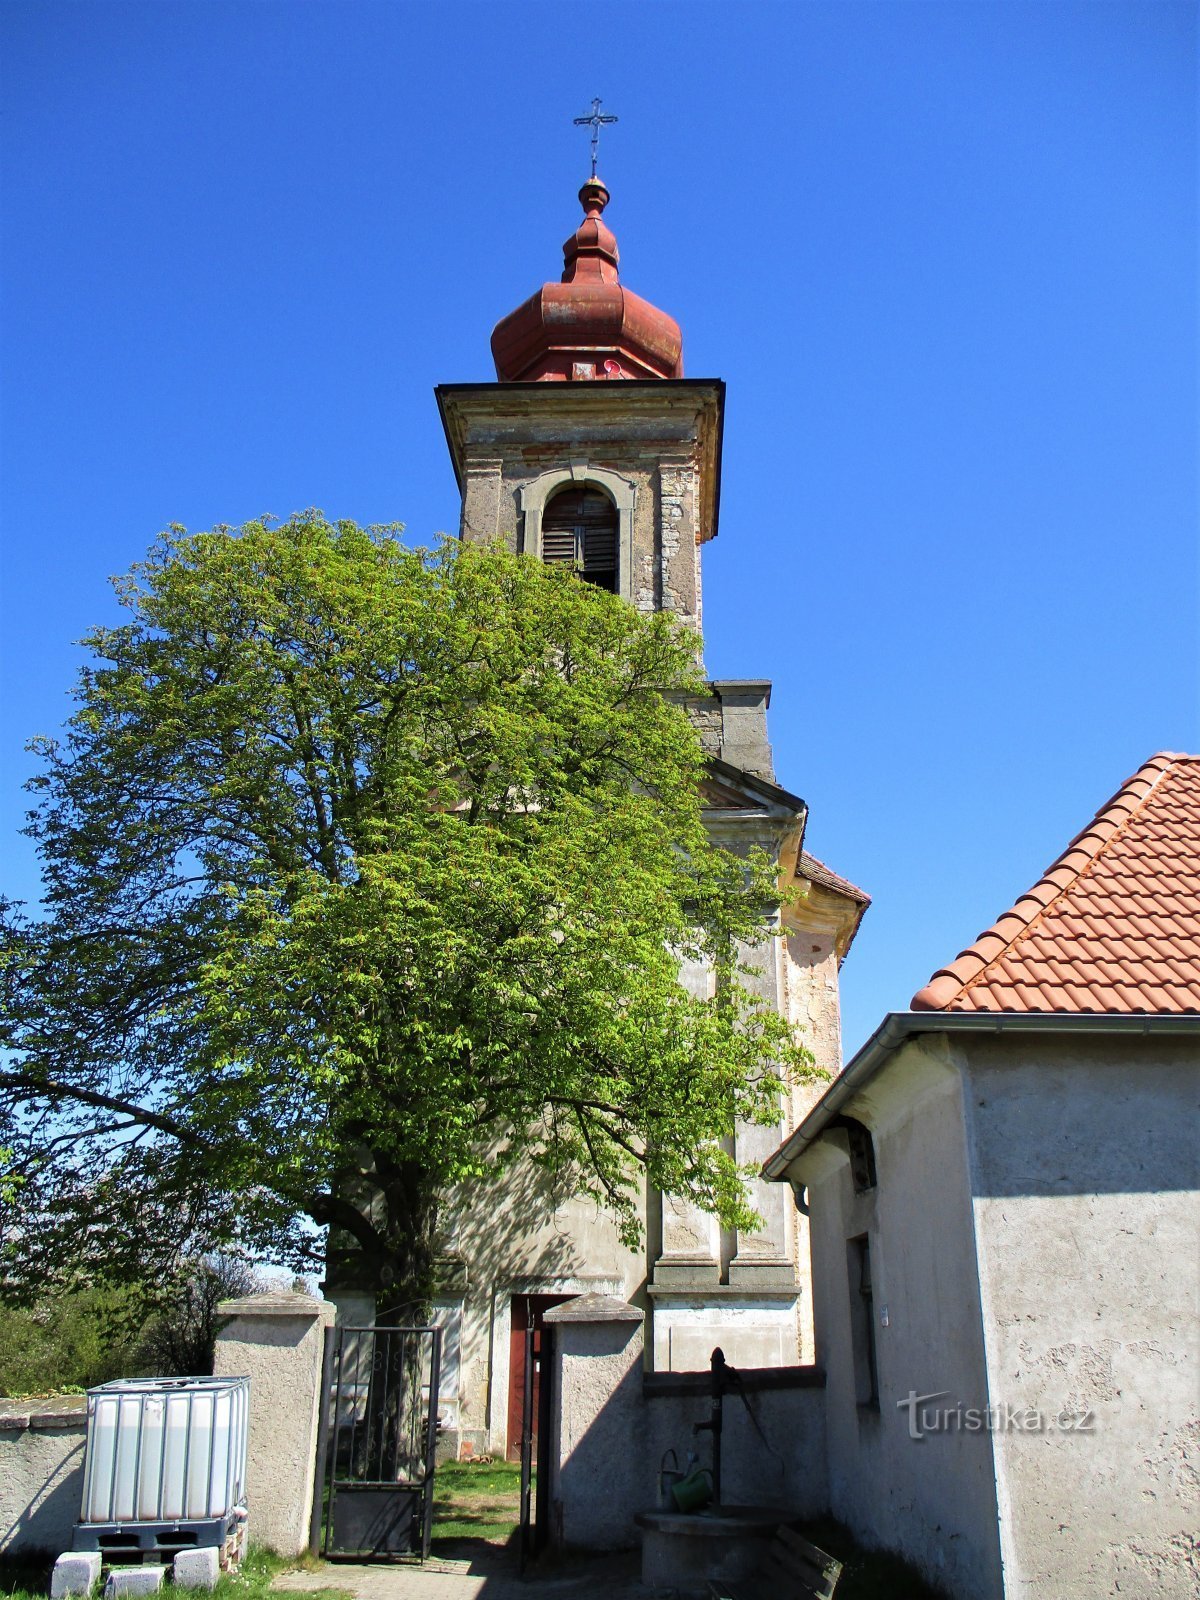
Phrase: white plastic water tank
x=165 y=1450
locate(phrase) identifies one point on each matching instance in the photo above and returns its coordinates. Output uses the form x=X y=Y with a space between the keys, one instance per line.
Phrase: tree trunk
x=393 y=1261
x=390 y=1256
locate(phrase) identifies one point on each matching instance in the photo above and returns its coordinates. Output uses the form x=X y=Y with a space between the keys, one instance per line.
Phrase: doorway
x=527 y=1311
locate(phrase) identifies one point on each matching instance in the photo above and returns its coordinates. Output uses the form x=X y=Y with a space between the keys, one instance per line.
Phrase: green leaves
x=354 y=846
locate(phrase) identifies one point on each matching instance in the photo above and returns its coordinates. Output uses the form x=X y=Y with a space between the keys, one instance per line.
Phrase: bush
x=91 y=1336
x=71 y=1342
x=180 y=1341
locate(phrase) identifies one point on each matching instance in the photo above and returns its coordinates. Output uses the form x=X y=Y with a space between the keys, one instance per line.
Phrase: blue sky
x=944 y=256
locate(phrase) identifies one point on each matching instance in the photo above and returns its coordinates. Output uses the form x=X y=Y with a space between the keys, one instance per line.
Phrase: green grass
x=470 y=1478
x=30 y=1579
x=476 y=1501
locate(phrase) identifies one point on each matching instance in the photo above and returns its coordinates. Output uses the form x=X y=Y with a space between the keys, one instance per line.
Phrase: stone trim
x=722 y=1291
x=278 y=1305
x=595 y=1308
x=61 y=1411
x=532 y=498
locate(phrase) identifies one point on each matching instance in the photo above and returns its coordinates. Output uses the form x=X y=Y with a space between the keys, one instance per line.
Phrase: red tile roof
x=1113 y=926
x=817 y=872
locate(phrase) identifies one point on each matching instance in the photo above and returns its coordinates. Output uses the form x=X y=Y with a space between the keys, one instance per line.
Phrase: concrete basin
x=685 y=1551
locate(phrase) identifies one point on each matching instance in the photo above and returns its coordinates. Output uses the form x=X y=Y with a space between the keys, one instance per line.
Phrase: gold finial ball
x=593 y=197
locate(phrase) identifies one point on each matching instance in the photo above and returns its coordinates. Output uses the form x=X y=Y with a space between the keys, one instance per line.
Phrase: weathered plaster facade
x=1032 y=1247
x=652 y=447
x=278 y=1341
x=698 y=1286
x=1085 y=1215
x=607 y=1409
x=42 y=1446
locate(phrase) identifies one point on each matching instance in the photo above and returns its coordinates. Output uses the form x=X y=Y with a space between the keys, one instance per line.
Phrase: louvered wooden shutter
x=580 y=525
x=558 y=544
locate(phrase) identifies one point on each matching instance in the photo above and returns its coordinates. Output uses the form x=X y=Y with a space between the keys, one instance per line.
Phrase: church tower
x=591 y=444
x=591 y=447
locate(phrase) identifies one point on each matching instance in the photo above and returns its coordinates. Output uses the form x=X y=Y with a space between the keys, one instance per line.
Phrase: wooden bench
x=793 y=1569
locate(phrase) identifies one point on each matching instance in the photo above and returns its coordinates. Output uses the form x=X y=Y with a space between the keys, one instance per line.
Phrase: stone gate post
x=598 y=1443
x=278 y=1341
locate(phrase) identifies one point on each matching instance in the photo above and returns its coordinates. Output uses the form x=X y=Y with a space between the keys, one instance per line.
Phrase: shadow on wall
x=1123 y=1123
x=41 y=1488
x=772 y=1439
x=612 y=1424
x=508 y=1237
x=517 y=1224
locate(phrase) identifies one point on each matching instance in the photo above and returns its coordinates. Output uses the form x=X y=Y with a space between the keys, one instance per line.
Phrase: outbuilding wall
x=931 y=1498
x=1085 y=1177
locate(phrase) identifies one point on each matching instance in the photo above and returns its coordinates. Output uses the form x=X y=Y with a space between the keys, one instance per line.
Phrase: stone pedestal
x=278 y=1341
x=723 y=1545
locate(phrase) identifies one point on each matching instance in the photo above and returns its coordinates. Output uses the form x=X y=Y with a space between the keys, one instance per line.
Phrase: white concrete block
x=131 y=1581
x=197 y=1569
x=76 y=1572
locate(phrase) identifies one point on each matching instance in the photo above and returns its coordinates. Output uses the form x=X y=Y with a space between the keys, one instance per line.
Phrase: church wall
x=648 y=446
x=931 y=1498
x=812 y=1000
x=515 y=1239
x=1085 y=1210
x=654 y=448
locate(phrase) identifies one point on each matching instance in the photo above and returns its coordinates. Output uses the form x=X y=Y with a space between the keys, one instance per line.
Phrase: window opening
x=579 y=526
x=862 y=1152
x=862 y=1156
x=862 y=1322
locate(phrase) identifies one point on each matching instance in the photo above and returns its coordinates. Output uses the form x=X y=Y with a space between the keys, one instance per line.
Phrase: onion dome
x=587 y=326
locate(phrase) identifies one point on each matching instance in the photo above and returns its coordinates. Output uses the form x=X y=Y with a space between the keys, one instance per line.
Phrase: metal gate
x=377 y=1442
x=536 y=1431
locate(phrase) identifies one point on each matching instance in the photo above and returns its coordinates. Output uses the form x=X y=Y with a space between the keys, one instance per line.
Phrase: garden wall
x=41 y=1473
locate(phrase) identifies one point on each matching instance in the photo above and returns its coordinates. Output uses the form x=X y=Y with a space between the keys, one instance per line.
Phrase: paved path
x=490 y=1574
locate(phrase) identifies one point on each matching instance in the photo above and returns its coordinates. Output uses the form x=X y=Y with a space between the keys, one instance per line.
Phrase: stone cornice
x=690 y=410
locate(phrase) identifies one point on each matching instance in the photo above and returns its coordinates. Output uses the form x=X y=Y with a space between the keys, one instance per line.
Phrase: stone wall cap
x=49 y=1411
x=595 y=1308
x=276 y=1304
x=756 y=687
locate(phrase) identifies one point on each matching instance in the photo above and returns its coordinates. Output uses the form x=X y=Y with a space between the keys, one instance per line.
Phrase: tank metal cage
x=165 y=1468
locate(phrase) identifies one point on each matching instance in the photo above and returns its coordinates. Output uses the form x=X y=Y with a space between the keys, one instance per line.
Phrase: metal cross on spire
x=595 y=122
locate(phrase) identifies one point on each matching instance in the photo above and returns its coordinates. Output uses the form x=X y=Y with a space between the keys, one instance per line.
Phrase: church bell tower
x=592 y=446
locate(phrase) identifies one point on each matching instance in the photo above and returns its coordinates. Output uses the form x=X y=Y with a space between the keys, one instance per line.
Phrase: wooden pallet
x=792 y=1569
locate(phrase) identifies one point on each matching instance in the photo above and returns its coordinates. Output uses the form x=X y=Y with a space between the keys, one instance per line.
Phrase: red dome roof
x=587 y=326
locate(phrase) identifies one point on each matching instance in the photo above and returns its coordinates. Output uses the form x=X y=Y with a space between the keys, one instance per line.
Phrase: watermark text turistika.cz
x=925 y=1416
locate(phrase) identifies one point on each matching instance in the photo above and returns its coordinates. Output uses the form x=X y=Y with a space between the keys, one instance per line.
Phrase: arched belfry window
x=580 y=526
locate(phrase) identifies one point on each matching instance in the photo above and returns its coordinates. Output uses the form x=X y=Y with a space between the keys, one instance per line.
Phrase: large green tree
x=368 y=870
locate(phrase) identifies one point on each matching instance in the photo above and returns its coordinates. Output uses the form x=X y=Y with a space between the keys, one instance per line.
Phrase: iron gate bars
x=527 y=1423
x=377 y=1444
x=536 y=1434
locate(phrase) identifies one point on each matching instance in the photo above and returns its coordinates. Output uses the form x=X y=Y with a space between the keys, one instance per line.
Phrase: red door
x=527 y=1309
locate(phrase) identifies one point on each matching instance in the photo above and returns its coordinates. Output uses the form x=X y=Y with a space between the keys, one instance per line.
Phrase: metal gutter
x=899 y=1026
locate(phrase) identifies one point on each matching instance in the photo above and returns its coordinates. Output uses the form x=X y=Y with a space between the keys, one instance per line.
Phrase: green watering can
x=694 y=1491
